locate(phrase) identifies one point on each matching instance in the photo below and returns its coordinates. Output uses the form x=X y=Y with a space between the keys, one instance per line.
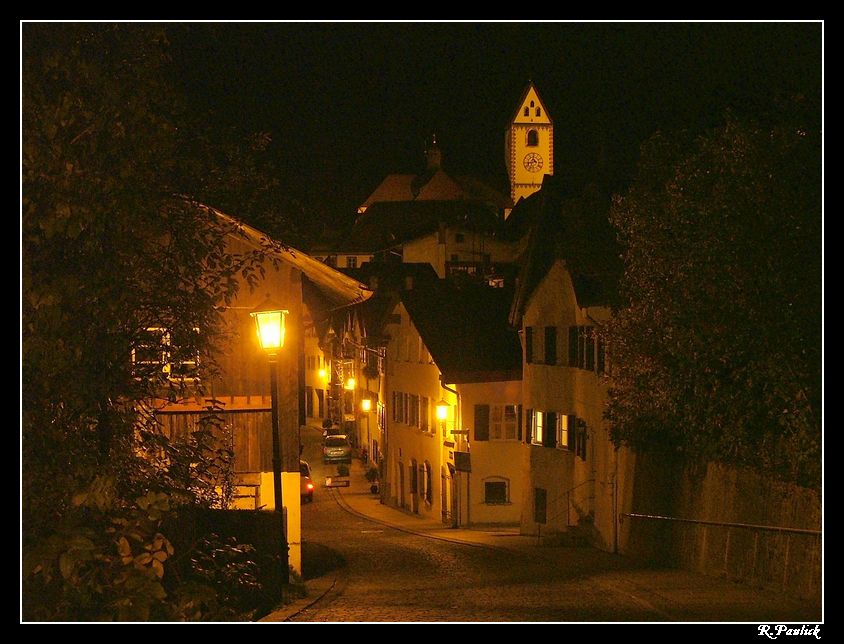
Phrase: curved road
x=391 y=575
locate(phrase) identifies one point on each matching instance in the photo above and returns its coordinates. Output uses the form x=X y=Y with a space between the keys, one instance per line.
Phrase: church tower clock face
x=529 y=146
x=532 y=162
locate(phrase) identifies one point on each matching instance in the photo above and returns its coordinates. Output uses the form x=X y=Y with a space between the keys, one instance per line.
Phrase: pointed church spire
x=433 y=155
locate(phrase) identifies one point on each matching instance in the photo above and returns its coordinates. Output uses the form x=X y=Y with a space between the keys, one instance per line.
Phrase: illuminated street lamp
x=269 y=321
x=442 y=414
x=322 y=374
x=442 y=410
x=350 y=384
x=366 y=407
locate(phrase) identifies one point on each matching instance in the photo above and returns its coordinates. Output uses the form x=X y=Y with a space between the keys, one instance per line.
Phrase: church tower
x=529 y=145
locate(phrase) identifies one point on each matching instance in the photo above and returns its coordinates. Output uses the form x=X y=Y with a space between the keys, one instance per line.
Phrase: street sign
x=462 y=462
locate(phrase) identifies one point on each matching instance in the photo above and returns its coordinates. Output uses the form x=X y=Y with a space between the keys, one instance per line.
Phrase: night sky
x=348 y=103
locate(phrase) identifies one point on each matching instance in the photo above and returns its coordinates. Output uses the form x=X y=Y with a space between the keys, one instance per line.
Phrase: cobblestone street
x=392 y=574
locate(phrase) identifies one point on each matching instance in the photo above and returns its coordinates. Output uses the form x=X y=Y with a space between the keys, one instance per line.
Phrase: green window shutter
x=481 y=422
x=549 y=438
x=590 y=348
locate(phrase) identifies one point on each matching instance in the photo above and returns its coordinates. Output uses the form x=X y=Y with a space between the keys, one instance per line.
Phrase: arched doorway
x=413 y=471
x=401 y=499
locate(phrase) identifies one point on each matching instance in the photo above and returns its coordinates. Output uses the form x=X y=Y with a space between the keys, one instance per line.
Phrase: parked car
x=306 y=486
x=336 y=449
x=332 y=430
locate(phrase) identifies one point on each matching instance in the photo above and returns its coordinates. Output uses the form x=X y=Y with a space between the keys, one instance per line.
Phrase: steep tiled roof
x=389 y=224
x=464 y=326
x=572 y=228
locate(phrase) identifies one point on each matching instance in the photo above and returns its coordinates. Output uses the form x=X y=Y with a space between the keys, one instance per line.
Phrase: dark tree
x=114 y=245
x=717 y=351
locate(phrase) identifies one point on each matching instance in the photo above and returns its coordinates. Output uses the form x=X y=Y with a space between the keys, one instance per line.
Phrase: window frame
x=497 y=480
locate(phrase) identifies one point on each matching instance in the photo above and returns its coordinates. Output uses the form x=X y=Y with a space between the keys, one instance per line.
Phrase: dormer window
x=532 y=138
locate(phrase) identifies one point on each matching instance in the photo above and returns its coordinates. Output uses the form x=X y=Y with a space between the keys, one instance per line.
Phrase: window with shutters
x=496 y=491
x=550 y=345
x=503 y=423
x=529 y=344
x=481 y=422
x=161 y=351
x=537 y=431
x=566 y=431
x=529 y=426
x=586 y=350
x=413 y=410
x=423 y=413
x=549 y=435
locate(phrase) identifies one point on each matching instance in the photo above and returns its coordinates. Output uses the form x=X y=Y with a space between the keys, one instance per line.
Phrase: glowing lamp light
x=269 y=321
x=442 y=410
x=366 y=404
x=322 y=373
x=350 y=384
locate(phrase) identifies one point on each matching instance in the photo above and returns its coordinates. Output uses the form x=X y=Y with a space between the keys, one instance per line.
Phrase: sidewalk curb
x=288 y=612
x=337 y=495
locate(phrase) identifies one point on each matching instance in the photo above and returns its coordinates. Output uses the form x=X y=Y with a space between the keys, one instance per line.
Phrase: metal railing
x=730 y=526
x=748 y=526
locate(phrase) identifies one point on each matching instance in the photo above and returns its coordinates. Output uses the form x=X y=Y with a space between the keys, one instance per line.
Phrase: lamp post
x=442 y=413
x=366 y=407
x=269 y=320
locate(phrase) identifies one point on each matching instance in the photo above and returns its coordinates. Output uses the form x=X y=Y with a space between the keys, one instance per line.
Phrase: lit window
x=495 y=492
x=351 y=262
x=565 y=431
x=503 y=422
x=532 y=138
x=162 y=351
x=537 y=435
